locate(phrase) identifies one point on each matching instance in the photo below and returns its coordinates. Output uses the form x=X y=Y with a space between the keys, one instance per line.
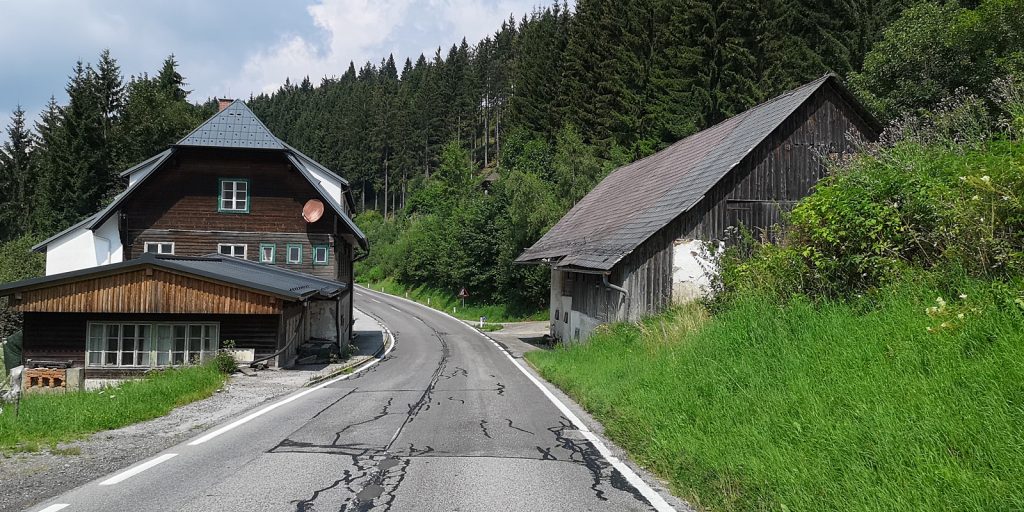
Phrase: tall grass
x=451 y=304
x=873 y=404
x=53 y=418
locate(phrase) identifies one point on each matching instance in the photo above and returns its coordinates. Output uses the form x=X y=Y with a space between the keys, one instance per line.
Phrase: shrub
x=225 y=362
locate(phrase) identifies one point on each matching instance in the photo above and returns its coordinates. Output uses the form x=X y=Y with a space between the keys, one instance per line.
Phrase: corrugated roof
x=234 y=127
x=281 y=282
x=638 y=199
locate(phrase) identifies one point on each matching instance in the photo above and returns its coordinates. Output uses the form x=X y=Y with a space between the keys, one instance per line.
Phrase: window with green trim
x=268 y=253
x=321 y=255
x=294 y=254
x=233 y=196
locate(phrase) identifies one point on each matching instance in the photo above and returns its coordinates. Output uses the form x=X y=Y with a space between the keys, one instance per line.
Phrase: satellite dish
x=313 y=210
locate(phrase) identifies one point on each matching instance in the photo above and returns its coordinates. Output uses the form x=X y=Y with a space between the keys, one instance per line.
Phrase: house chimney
x=222 y=103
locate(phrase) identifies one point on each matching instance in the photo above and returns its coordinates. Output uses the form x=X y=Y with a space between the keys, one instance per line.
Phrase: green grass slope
x=876 y=404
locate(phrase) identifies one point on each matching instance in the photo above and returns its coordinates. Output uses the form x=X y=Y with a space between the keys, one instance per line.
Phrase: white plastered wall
x=83 y=248
x=694 y=266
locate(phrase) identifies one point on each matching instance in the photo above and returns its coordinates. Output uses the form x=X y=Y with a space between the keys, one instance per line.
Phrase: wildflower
x=940 y=302
x=963 y=178
x=1006 y=198
x=963 y=295
x=986 y=179
x=960 y=316
x=945 y=325
x=975 y=198
x=929 y=329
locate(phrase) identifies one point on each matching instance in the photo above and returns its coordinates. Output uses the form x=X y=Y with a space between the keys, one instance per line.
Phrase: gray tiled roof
x=281 y=282
x=234 y=127
x=638 y=199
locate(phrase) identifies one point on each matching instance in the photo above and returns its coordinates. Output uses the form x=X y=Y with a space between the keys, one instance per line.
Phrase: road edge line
x=652 y=496
x=134 y=470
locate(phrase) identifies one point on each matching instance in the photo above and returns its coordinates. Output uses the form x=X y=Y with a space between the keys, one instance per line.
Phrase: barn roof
x=284 y=283
x=638 y=199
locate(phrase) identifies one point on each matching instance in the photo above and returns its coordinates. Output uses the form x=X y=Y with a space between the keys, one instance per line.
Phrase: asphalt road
x=445 y=421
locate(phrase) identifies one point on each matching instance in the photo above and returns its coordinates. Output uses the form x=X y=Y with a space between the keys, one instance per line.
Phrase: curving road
x=445 y=421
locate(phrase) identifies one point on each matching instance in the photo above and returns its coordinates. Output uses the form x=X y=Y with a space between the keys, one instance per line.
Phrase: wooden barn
x=638 y=242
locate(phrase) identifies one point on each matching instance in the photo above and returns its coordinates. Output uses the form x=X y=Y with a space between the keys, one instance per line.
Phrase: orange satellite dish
x=313 y=210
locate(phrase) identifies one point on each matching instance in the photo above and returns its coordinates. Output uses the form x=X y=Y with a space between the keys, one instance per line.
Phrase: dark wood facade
x=62 y=336
x=179 y=204
x=756 y=193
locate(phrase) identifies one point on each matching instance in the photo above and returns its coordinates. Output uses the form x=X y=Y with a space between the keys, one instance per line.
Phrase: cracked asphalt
x=444 y=422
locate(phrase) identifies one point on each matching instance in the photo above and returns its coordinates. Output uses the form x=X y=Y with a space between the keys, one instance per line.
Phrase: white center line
x=130 y=472
x=55 y=507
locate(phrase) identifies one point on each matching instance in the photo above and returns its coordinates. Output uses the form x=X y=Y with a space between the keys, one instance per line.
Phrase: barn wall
x=145 y=291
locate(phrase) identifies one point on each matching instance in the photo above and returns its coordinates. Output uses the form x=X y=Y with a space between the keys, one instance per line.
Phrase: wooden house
x=228 y=234
x=639 y=241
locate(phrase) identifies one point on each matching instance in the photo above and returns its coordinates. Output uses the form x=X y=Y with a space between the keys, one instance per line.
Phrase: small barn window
x=566 y=320
x=558 y=314
x=233 y=196
x=233 y=250
x=294 y=256
x=568 y=282
x=159 y=247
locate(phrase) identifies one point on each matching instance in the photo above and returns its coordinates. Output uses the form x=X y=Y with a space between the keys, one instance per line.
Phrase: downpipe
x=610 y=286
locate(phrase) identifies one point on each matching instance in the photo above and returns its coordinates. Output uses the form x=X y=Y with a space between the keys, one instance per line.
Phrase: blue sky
x=225 y=47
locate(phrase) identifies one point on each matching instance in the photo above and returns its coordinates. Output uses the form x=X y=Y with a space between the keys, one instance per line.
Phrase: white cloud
x=366 y=30
x=353 y=30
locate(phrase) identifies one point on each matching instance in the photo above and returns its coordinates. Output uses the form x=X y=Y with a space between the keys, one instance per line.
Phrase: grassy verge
x=449 y=303
x=46 y=420
x=873 y=405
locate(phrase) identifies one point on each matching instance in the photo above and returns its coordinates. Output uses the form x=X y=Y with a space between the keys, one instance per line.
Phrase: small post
x=482 y=322
x=428 y=301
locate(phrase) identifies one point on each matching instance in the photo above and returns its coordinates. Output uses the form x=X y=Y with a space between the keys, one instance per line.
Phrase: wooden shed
x=156 y=311
x=638 y=242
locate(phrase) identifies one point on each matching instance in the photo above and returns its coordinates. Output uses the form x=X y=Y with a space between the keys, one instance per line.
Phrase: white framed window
x=233 y=196
x=268 y=253
x=294 y=255
x=150 y=344
x=321 y=255
x=160 y=247
x=234 y=250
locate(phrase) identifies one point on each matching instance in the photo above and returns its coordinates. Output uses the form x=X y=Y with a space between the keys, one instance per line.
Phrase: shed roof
x=284 y=283
x=638 y=199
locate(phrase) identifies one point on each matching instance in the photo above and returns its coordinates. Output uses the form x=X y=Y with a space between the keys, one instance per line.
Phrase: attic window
x=233 y=196
x=160 y=247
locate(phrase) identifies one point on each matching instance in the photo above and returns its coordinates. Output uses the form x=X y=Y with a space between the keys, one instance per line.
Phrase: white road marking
x=295 y=397
x=634 y=479
x=55 y=507
x=394 y=308
x=130 y=472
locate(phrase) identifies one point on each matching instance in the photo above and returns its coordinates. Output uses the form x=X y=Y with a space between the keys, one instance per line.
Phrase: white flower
x=963 y=295
x=940 y=302
x=960 y=316
x=975 y=198
x=986 y=179
x=963 y=178
x=1006 y=198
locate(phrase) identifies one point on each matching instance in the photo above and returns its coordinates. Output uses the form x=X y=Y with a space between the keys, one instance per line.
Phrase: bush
x=225 y=362
x=911 y=205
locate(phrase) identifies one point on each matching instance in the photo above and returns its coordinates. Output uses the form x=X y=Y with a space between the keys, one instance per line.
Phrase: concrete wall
x=694 y=266
x=322 y=321
x=83 y=248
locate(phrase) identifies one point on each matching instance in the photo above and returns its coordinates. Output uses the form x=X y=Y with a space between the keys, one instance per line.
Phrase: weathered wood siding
x=179 y=204
x=146 y=291
x=62 y=336
x=756 y=194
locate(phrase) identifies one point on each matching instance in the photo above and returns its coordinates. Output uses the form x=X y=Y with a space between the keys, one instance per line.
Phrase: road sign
x=463 y=293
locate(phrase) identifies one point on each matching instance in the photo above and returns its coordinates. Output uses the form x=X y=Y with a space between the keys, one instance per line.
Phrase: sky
x=226 y=48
